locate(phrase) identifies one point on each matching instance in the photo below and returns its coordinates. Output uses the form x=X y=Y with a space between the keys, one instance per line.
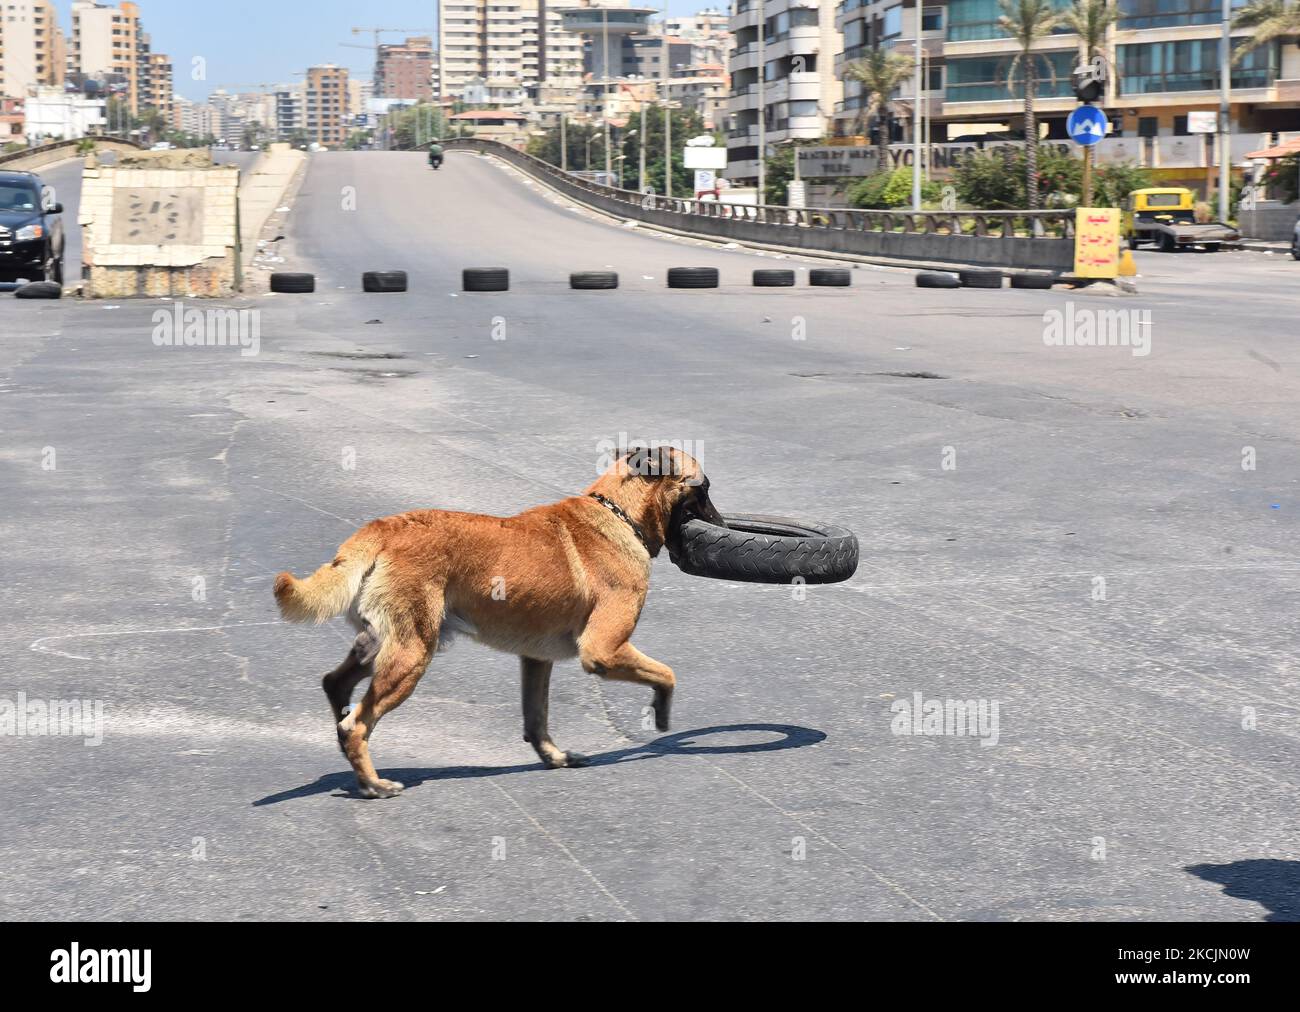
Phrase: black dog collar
x=621 y=513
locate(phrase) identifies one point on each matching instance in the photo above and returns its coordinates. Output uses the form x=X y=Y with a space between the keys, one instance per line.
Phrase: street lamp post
x=640 y=178
x=762 y=108
x=916 y=114
x=668 y=110
x=1225 y=113
x=604 y=91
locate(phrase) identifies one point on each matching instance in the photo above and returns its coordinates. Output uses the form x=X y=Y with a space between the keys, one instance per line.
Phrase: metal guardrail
x=1039 y=227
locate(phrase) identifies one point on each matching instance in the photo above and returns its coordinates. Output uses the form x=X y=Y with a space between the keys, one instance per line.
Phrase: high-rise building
x=800 y=89
x=290 y=102
x=156 y=89
x=497 y=46
x=31 y=47
x=327 y=104
x=109 y=46
x=405 y=70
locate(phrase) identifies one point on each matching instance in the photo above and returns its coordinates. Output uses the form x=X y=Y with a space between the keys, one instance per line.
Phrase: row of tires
x=497 y=279
x=981 y=278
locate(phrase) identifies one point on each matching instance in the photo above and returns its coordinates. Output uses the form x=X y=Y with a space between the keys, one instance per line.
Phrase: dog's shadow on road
x=1272 y=883
x=682 y=743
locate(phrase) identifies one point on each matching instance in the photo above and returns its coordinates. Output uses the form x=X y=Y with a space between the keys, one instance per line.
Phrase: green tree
x=1027 y=22
x=1270 y=19
x=879 y=73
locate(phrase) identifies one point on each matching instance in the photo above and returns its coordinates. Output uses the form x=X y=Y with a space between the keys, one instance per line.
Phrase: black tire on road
x=590 y=281
x=830 y=277
x=1036 y=281
x=692 y=277
x=1295 y=249
x=1212 y=247
x=764 y=549
x=40 y=290
x=485 y=279
x=383 y=281
x=293 y=283
x=937 y=279
x=773 y=279
x=980 y=278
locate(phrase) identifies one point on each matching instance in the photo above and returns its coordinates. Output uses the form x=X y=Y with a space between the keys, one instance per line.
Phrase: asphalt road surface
x=1065 y=533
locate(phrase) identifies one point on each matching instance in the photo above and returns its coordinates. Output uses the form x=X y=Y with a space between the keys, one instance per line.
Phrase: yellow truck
x=1166 y=217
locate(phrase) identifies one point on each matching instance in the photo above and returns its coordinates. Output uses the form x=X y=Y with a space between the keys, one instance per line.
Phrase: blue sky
x=245 y=42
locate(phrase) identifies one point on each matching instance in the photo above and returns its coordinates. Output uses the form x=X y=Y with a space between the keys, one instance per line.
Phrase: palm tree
x=1027 y=21
x=880 y=73
x=1271 y=19
x=1091 y=20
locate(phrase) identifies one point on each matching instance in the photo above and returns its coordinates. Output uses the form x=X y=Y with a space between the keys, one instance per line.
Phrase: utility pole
x=1225 y=114
x=762 y=106
x=564 y=143
x=640 y=177
x=916 y=113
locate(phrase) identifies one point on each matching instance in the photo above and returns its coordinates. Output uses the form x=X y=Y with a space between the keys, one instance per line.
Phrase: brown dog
x=557 y=581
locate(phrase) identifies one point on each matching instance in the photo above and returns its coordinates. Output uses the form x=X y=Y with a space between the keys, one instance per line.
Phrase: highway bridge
x=1094 y=544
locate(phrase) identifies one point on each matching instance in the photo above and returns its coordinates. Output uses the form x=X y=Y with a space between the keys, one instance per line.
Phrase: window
x=893 y=23
x=1148 y=126
x=1189 y=65
x=984 y=79
x=931 y=19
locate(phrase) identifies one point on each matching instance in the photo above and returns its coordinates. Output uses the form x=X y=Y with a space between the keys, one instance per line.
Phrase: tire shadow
x=683 y=743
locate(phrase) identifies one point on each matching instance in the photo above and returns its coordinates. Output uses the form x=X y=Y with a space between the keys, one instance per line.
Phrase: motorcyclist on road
x=435 y=153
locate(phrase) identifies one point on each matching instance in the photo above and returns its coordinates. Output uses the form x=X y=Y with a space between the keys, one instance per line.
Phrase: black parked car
x=31 y=234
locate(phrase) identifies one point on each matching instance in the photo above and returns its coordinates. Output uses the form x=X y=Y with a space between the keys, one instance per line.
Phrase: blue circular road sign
x=1086 y=125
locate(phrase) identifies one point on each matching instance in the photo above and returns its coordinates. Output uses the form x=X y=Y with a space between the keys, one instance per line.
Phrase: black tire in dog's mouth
x=765 y=549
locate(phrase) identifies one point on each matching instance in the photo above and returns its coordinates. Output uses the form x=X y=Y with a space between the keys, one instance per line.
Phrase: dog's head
x=662 y=488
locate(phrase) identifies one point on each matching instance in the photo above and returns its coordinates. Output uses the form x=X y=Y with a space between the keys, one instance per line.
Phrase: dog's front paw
x=381 y=789
x=565 y=760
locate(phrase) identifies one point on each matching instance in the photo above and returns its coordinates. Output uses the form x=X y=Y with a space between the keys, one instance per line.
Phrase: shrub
x=888 y=190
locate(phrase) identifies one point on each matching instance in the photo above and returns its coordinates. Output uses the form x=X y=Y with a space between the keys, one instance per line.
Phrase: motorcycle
x=435 y=161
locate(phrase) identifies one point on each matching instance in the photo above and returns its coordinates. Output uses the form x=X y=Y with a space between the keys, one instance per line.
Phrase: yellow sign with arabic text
x=1096 y=242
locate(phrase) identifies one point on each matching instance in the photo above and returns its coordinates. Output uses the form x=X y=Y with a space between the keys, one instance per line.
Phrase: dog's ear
x=651 y=462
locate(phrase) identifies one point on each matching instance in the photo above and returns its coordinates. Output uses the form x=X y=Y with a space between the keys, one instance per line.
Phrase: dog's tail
x=331 y=589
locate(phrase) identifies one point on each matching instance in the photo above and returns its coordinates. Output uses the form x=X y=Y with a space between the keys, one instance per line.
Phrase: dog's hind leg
x=398 y=668
x=535 y=683
x=340 y=682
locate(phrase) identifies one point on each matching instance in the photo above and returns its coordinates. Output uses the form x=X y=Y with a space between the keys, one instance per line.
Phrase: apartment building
x=290 y=110
x=328 y=106
x=405 y=70
x=31 y=47
x=109 y=46
x=156 y=88
x=1166 y=53
x=800 y=90
x=496 y=44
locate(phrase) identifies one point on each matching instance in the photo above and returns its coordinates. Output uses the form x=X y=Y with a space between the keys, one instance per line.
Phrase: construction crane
x=387 y=31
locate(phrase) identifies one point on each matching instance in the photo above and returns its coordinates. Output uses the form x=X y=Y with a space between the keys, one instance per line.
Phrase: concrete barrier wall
x=1269 y=221
x=169 y=230
x=940 y=238
x=48 y=154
